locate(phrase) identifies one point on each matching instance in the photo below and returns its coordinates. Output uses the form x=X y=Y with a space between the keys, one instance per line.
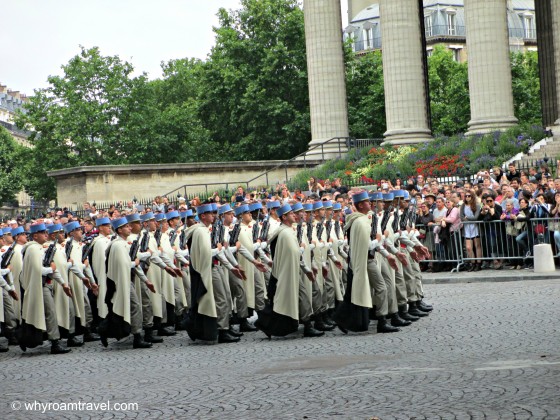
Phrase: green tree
x=95 y=113
x=366 y=97
x=255 y=101
x=449 y=93
x=526 y=87
x=11 y=166
x=179 y=133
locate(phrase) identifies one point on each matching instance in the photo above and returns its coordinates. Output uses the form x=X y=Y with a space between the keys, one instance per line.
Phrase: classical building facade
x=484 y=31
x=11 y=102
x=444 y=24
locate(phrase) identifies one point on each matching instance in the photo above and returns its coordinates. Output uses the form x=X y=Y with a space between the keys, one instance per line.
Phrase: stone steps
x=550 y=150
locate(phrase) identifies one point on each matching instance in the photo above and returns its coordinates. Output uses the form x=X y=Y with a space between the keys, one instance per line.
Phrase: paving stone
x=488 y=350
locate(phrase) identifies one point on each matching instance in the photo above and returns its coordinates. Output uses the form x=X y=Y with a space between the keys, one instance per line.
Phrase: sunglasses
x=468 y=195
x=489 y=201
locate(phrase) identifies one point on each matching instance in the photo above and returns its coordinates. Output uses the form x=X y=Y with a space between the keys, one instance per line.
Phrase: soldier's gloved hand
x=373 y=245
x=263 y=245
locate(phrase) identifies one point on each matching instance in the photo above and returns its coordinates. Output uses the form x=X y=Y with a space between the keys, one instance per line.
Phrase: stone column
x=556 y=42
x=490 y=88
x=326 y=75
x=403 y=72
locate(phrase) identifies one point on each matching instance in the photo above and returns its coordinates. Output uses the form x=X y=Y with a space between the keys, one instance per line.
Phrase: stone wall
x=112 y=183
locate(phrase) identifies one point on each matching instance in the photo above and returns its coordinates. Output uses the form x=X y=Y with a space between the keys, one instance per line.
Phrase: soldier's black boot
x=397 y=321
x=90 y=336
x=404 y=314
x=150 y=337
x=413 y=310
x=320 y=323
x=246 y=326
x=74 y=341
x=383 y=326
x=3 y=348
x=232 y=331
x=56 y=348
x=139 y=342
x=11 y=336
x=423 y=306
x=166 y=331
x=225 y=337
x=327 y=318
x=309 y=331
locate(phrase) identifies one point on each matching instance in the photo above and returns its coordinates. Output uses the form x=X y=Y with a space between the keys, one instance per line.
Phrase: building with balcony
x=444 y=24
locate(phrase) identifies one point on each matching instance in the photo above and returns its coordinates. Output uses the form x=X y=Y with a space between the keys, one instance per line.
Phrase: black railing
x=367 y=44
x=14 y=129
x=444 y=31
x=314 y=156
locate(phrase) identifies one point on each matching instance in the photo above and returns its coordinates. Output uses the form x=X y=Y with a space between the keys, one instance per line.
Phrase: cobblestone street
x=488 y=350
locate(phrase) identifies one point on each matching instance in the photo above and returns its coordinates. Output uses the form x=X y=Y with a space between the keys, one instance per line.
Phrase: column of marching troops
x=152 y=275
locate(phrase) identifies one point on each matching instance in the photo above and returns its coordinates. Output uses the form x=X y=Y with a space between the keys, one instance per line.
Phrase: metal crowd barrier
x=448 y=251
x=500 y=241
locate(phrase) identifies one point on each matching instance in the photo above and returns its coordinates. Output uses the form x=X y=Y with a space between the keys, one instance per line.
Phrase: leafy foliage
x=444 y=156
x=247 y=101
x=11 y=166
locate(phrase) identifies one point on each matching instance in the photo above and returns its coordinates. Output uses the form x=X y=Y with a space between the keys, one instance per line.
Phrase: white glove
x=263 y=245
x=321 y=245
x=301 y=250
x=373 y=244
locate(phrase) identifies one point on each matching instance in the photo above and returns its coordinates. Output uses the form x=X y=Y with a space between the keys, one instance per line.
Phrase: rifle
x=157 y=237
x=320 y=228
x=256 y=227
x=144 y=245
x=299 y=232
x=373 y=233
x=49 y=257
x=412 y=214
x=183 y=239
x=68 y=248
x=385 y=218
x=172 y=237
x=337 y=228
x=216 y=231
x=328 y=227
x=7 y=257
x=87 y=250
x=134 y=249
x=234 y=235
x=264 y=229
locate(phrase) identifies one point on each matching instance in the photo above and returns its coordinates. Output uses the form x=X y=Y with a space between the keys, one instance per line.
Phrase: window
x=456 y=50
x=451 y=23
x=428 y=27
x=368 y=38
x=529 y=23
x=457 y=55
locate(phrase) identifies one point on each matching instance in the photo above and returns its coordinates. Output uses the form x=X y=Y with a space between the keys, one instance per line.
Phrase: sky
x=38 y=36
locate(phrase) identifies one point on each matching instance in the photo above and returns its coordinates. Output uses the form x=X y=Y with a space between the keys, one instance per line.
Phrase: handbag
x=511 y=229
x=554 y=225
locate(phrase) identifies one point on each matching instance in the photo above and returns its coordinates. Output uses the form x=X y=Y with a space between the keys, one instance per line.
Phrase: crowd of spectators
x=490 y=221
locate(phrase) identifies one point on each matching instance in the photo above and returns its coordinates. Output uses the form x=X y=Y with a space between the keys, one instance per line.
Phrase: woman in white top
x=469 y=212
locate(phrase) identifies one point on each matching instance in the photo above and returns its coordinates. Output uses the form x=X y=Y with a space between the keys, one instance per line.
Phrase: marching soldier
x=38 y=311
x=319 y=249
x=125 y=311
x=307 y=276
x=280 y=316
x=141 y=282
x=64 y=306
x=9 y=296
x=202 y=322
x=79 y=282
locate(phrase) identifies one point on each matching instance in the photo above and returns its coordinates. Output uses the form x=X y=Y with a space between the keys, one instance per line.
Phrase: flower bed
x=458 y=155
